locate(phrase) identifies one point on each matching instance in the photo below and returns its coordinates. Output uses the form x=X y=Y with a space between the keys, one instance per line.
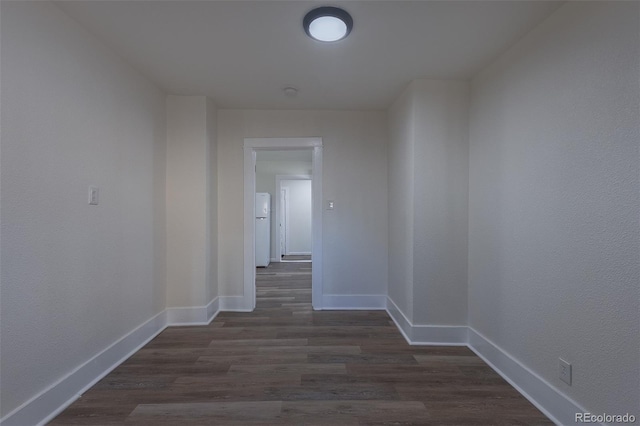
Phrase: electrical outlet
x=565 y=371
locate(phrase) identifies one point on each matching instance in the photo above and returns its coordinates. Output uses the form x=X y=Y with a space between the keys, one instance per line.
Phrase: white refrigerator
x=263 y=228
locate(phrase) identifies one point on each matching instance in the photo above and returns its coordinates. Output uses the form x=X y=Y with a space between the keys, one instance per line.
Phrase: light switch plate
x=93 y=195
x=329 y=205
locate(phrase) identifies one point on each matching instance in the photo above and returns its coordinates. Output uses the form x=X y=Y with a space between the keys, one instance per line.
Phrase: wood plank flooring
x=285 y=364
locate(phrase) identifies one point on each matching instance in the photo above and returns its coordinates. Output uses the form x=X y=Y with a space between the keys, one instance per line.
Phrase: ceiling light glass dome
x=327 y=24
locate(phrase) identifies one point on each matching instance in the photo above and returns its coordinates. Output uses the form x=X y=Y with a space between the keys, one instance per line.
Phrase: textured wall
x=428 y=190
x=554 y=200
x=401 y=182
x=440 y=196
x=354 y=176
x=212 y=205
x=189 y=205
x=75 y=278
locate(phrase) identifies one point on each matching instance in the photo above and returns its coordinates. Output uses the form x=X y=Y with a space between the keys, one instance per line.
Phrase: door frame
x=279 y=212
x=251 y=145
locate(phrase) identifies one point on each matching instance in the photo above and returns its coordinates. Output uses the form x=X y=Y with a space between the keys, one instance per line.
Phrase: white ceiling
x=242 y=53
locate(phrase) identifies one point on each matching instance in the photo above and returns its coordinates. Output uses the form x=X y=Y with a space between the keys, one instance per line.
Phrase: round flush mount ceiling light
x=290 y=91
x=327 y=24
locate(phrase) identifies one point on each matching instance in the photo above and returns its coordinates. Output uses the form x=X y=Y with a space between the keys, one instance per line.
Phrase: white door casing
x=251 y=145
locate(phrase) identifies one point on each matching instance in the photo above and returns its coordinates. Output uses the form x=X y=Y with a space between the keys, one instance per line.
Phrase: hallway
x=286 y=364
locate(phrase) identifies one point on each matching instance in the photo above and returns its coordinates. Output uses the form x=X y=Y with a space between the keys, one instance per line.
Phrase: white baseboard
x=298 y=253
x=47 y=404
x=234 y=304
x=554 y=404
x=353 y=302
x=213 y=308
x=449 y=335
x=400 y=319
x=193 y=315
x=273 y=259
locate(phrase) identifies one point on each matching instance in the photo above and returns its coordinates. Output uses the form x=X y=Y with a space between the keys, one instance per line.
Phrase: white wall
x=354 y=175
x=428 y=190
x=189 y=200
x=554 y=201
x=75 y=278
x=401 y=182
x=299 y=216
x=212 y=205
x=440 y=205
x=266 y=172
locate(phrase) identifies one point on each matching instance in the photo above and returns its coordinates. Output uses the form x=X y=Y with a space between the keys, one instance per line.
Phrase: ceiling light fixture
x=327 y=24
x=290 y=92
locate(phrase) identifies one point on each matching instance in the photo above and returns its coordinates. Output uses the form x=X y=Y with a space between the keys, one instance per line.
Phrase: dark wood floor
x=286 y=364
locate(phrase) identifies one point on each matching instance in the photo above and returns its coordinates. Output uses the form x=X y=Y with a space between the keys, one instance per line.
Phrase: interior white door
x=298 y=216
x=263 y=246
x=283 y=221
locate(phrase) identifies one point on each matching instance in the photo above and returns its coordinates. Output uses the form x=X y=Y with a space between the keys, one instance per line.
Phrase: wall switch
x=329 y=205
x=565 y=371
x=93 y=195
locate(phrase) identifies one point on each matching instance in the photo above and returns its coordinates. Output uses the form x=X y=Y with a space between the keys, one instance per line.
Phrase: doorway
x=283 y=222
x=294 y=236
x=251 y=147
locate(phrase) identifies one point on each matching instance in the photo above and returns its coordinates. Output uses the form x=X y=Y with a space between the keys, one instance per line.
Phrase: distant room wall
x=299 y=216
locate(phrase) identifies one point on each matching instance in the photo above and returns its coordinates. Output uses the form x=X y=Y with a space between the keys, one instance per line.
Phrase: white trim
x=249 y=286
x=435 y=335
x=416 y=334
x=299 y=253
x=273 y=144
x=273 y=259
x=193 y=315
x=276 y=144
x=400 y=319
x=213 y=309
x=552 y=402
x=47 y=404
x=234 y=304
x=353 y=301
x=316 y=228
